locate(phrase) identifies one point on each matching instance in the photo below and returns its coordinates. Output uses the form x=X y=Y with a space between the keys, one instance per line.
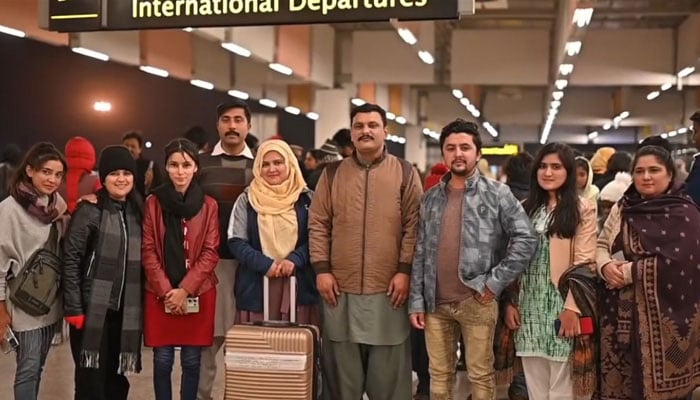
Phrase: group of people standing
x=373 y=255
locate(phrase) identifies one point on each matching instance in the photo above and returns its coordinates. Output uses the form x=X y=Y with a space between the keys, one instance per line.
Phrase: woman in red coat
x=180 y=243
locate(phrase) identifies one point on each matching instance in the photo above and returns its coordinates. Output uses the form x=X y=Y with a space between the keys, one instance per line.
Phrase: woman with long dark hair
x=103 y=288
x=649 y=256
x=566 y=225
x=180 y=252
x=32 y=211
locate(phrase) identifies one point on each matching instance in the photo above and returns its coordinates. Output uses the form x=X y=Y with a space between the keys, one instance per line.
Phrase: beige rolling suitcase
x=273 y=360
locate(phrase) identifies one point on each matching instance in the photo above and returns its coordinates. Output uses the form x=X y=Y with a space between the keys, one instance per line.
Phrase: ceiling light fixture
x=281 y=68
x=607 y=126
x=593 y=135
x=357 y=101
x=91 y=53
x=313 y=116
x=236 y=49
x=557 y=95
x=292 y=110
x=426 y=57
x=12 y=31
x=457 y=93
x=400 y=120
x=390 y=115
x=238 y=94
x=566 y=69
x=561 y=84
x=464 y=101
x=666 y=86
x=268 y=103
x=573 y=48
x=583 y=16
x=202 y=84
x=407 y=36
x=685 y=72
x=154 y=71
x=653 y=95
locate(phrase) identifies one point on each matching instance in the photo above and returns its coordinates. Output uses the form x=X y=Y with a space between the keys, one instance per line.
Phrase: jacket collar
x=471 y=180
x=374 y=163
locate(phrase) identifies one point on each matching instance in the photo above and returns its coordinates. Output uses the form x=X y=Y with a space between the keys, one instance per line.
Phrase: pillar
x=333 y=108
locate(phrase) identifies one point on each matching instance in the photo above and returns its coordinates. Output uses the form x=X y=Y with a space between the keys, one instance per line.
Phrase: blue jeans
x=163 y=358
x=34 y=346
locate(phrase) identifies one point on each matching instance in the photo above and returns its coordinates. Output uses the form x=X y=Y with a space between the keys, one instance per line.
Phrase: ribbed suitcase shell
x=272 y=360
x=267 y=362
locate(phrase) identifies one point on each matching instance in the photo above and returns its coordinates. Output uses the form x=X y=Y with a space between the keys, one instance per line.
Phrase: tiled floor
x=57 y=381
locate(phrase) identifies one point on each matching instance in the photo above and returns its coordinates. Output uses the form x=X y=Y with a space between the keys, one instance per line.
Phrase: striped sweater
x=224 y=177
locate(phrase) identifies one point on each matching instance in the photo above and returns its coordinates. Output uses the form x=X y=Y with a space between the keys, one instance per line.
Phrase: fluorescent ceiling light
x=281 y=68
x=188 y=29
x=236 y=49
x=402 y=140
x=475 y=113
x=154 y=71
x=312 y=115
x=465 y=101
x=566 y=69
x=490 y=129
x=357 y=101
x=666 y=86
x=400 y=120
x=457 y=93
x=653 y=95
x=12 y=31
x=555 y=104
x=573 y=48
x=557 y=95
x=102 y=106
x=426 y=57
x=582 y=16
x=624 y=114
x=407 y=36
x=672 y=133
x=593 y=135
x=561 y=84
x=202 y=84
x=292 y=110
x=268 y=103
x=426 y=131
x=546 y=130
x=685 y=72
x=682 y=130
x=239 y=94
x=91 y=53
x=607 y=126
x=664 y=136
x=390 y=115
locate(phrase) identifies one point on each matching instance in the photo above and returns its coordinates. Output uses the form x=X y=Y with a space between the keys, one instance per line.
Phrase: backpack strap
x=52 y=242
x=330 y=170
x=406 y=170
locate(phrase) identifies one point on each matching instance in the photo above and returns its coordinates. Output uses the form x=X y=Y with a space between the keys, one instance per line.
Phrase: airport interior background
x=586 y=73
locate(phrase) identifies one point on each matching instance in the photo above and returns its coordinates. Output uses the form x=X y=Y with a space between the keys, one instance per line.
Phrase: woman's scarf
x=45 y=208
x=662 y=240
x=582 y=282
x=177 y=207
x=274 y=204
x=109 y=260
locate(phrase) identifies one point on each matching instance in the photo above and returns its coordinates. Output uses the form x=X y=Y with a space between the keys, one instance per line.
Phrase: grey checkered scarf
x=110 y=258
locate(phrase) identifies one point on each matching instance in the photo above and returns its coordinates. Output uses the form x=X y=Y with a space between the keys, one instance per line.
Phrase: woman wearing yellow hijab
x=268 y=235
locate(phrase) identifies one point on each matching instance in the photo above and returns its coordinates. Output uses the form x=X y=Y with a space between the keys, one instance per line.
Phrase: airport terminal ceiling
x=609 y=71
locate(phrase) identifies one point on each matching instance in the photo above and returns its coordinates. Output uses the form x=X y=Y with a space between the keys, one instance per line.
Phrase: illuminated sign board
x=506 y=150
x=82 y=15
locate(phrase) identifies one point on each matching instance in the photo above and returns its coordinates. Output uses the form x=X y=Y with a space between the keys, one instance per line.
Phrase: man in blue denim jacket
x=474 y=239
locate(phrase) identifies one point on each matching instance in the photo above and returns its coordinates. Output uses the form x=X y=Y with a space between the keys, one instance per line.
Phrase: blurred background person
x=9 y=160
x=436 y=173
x=343 y=142
x=584 y=181
x=81 y=177
x=328 y=153
x=517 y=171
x=200 y=138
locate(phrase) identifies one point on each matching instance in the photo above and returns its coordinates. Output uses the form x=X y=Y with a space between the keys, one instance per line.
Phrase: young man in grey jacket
x=474 y=239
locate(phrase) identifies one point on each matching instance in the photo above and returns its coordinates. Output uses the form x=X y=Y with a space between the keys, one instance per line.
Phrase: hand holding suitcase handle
x=292 y=301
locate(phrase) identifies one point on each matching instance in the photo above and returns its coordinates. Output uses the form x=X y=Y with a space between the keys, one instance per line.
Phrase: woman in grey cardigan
x=27 y=216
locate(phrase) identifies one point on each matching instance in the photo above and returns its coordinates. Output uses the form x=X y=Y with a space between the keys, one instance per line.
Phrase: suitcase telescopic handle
x=292 y=299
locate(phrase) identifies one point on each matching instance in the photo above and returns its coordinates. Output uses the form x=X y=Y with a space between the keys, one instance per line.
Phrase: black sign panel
x=75 y=15
x=153 y=14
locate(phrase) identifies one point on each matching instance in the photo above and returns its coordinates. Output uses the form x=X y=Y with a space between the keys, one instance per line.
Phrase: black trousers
x=103 y=383
x=419 y=357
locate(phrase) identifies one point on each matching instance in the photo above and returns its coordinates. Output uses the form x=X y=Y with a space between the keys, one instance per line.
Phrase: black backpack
x=35 y=288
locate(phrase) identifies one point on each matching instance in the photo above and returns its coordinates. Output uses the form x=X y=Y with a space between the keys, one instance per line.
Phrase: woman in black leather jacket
x=102 y=282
